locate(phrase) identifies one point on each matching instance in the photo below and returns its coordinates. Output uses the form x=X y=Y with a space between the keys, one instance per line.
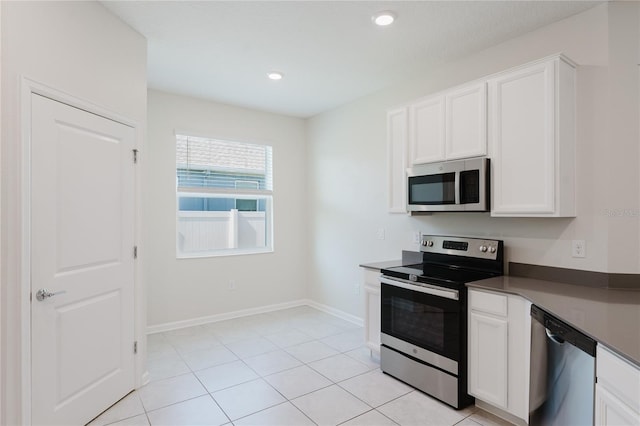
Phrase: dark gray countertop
x=610 y=316
x=381 y=265
x=408 y=258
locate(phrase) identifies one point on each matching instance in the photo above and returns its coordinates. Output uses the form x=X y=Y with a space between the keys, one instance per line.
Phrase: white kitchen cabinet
x=427 y=130
x=532 y=140
x=372 y=309
x=610 y=411
x=498 y=351
x=450 y=125
x=488 y=358
x=617 y=390
x=466 y=118
x=397 y=160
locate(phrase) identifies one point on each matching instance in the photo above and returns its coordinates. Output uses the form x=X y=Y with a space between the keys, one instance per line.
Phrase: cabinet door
x=466 y=122
x=610 y=411
x=427 y=130
x=372 y=316
x=523 y=140
x=488 y=359
x=396 y=156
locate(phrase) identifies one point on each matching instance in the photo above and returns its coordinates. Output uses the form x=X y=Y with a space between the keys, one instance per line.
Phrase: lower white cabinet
x=488 y=358
x=498 y=351
x=610 y=411
x=372 y=309
x=617 y=390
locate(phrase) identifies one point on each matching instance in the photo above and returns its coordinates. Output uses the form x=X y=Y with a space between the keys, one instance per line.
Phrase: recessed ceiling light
x=275 y=75
x=384 y=18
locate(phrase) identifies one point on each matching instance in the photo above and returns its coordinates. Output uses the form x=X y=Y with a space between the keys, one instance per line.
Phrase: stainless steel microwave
x=461 y=185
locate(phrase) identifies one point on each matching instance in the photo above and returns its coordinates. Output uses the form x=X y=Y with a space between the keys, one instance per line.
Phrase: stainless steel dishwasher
x=563 y=368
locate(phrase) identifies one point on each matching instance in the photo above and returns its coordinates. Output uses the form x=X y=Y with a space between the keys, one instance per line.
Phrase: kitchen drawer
x=491 y=303
x=618 y=376
x=372 y=277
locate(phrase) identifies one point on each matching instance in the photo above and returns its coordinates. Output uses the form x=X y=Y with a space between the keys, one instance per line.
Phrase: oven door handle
x=422 y=288
x=456 y=188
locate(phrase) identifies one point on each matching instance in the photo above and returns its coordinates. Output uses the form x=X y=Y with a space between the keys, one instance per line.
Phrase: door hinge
x=135 y=252
x=135 y=156
x=135 y=347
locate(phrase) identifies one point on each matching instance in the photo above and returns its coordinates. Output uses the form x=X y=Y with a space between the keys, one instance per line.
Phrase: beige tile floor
x=294 y=367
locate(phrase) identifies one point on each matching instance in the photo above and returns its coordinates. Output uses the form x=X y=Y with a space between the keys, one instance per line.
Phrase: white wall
x=2 y=355
x=186 y=289
x=74 y=47
x=347 y=163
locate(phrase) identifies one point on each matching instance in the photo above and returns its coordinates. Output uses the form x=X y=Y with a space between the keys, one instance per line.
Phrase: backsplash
x=575 y=276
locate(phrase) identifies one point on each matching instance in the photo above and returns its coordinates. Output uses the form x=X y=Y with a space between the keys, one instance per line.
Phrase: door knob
x=43 y=294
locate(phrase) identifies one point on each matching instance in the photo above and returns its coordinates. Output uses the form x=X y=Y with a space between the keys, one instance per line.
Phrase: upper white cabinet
x=427 y=129
x=397 y=122
x=466 y=118
x=532 y=140
x=449 y=125
x=522 y=119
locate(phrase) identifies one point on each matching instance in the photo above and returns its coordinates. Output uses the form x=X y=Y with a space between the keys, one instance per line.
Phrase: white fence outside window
x=209 y=232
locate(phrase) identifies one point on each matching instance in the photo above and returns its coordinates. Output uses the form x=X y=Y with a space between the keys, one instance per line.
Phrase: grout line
x=220 y=407
x=173 y=403
x=384 y=415
x=354 y=417
x=147 y=416
x=374 y=407
x=286 y=400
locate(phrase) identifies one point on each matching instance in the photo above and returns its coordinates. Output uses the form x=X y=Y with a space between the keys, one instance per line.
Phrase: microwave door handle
x=456 y=188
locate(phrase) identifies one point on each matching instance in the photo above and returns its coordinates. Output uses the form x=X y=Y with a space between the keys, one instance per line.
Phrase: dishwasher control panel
x=561 y=332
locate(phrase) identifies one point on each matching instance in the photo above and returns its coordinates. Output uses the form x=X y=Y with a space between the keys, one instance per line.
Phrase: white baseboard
x=168 y=326
x=336 y=312
x=175 y=325
x=145 y=379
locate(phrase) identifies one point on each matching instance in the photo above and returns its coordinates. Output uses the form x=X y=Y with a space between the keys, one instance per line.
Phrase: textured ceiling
x=329 y=51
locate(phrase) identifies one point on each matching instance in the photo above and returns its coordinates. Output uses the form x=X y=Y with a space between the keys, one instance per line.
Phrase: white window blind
x=211 y=163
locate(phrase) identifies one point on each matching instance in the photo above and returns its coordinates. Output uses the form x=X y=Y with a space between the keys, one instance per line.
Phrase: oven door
x=421 y=321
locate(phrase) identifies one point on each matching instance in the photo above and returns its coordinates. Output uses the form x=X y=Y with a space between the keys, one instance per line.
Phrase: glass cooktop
x=446 y=276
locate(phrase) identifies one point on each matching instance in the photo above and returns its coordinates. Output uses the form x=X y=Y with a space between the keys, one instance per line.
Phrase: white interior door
x=82 y=237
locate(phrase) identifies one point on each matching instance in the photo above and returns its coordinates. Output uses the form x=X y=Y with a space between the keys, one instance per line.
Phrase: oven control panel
x=461 y=246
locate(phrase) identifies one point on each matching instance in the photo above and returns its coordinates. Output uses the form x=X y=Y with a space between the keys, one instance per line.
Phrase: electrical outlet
x=416 y=237
x=356 y=288
x=232 y=284
x=578 y=248
x=380 y=233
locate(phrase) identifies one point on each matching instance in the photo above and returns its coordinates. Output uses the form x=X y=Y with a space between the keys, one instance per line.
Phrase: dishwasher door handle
x=554 y=337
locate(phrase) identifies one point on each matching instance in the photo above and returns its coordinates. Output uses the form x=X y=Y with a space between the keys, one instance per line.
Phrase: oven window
x=430 y=322
x=432 y=189
x=416 y=322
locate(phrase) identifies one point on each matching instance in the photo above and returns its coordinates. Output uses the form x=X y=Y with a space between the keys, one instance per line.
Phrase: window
x=224 y=197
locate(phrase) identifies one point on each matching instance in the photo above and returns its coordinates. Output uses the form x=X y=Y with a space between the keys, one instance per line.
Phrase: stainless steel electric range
x=424 y=314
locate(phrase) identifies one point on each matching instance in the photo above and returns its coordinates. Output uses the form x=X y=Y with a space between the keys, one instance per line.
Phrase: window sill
x=223 y=253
